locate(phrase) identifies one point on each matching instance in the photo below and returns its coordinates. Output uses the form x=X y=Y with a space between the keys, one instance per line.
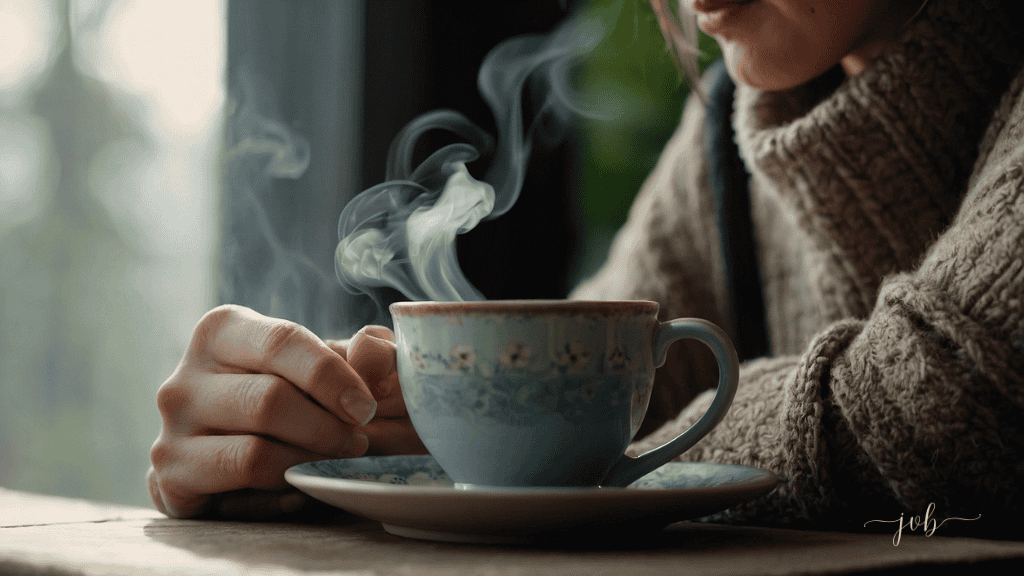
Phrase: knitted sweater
x=888 y=214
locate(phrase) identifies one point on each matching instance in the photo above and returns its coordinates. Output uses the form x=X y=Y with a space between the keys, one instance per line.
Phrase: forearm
x=918 y=404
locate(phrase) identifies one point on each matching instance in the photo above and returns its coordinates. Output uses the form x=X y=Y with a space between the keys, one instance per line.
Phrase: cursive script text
x=928 y=523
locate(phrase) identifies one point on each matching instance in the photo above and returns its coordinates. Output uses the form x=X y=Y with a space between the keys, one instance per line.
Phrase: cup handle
x=627 y=470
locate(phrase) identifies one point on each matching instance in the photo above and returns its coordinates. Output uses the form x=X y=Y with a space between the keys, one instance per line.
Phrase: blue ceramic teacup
x=544 y=393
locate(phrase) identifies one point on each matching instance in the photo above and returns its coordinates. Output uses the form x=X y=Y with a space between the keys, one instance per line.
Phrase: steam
x=286 y=153
x=400 y=235
x=261 y=268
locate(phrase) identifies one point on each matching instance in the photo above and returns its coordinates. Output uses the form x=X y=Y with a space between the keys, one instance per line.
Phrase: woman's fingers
x=262 y=404
x=251 y=504
x=254 y=396
x=153 y=483
x=189 y=470
x=392 y=437
x=371 y=353
x=239 y=338
x=243 y=504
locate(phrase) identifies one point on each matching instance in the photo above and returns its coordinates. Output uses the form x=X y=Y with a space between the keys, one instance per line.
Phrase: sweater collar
x=875 y=165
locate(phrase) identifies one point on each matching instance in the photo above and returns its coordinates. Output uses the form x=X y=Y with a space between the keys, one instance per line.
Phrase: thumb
x=371 y=353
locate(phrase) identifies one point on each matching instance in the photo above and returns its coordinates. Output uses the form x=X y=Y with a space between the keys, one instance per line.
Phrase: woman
x=888 y=210
x=883 y=139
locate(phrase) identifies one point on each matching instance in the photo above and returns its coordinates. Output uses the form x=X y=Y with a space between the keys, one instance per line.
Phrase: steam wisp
x=400 y=235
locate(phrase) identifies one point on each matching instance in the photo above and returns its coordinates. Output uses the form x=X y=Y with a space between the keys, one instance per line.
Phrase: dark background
x=425 y=55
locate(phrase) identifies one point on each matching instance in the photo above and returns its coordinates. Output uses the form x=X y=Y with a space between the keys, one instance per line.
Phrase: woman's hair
x=681 y=39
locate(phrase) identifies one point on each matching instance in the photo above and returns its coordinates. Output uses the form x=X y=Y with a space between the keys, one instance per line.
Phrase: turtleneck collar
x=875 y=165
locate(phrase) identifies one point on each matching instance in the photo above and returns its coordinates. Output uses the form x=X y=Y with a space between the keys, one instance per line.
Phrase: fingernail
x=359 y=406
x=357 y=444
x=380 y=333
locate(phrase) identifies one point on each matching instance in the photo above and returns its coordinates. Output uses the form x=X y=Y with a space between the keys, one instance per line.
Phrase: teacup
x=528 y=393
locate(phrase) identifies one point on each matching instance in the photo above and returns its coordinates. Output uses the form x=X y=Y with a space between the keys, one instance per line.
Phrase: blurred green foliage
x=631 y=78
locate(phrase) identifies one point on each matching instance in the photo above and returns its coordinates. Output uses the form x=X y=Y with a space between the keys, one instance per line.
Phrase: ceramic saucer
x=413 y=497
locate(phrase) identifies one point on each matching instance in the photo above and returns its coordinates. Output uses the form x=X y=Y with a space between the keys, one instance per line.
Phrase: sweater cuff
x=777 y=422
x=807 y=446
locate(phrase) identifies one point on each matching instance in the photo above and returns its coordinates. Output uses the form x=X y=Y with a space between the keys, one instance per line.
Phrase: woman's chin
x=753 y=72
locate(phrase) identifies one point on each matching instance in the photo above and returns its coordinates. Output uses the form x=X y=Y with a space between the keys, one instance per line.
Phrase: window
x=110 y=126
x=158 y=158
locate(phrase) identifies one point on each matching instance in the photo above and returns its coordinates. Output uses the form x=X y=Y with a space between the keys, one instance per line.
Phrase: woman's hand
x=254 y=396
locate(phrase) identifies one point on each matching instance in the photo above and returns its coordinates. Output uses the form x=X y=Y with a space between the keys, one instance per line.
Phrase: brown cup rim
x=601 y=307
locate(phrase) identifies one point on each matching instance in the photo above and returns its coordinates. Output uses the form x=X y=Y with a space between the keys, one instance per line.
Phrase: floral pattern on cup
x=618 y=361
x=398 y=470
x=515 y=355
x=519 y=399
x=572 y=356
x=462 y=357
x=587 y=392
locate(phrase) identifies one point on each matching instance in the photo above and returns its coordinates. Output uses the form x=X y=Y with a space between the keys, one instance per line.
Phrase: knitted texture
x=889 y=215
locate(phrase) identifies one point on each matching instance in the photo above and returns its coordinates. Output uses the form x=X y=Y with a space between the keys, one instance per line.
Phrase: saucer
x=413 y=497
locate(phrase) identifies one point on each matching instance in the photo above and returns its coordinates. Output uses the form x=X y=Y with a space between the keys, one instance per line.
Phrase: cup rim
x=479 y=307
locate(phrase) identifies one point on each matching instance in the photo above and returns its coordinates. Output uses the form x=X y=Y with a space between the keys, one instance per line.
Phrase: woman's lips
x=716 y=17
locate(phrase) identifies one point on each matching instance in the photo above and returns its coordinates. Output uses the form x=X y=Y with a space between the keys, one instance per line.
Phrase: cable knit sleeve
x=920 y=403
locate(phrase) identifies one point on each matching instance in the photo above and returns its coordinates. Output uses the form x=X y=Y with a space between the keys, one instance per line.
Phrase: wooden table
x=57 y=536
